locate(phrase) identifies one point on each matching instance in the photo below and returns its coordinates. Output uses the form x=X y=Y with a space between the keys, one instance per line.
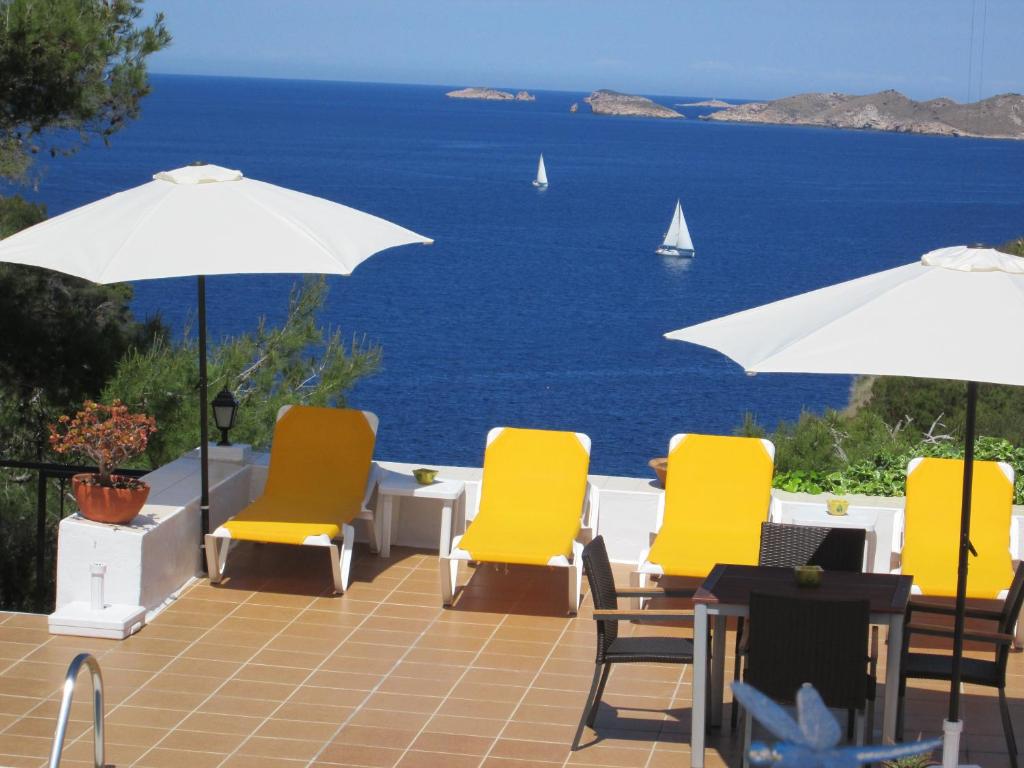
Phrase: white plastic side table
x=396 y=486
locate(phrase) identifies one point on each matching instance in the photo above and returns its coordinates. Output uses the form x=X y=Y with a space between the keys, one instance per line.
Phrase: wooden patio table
x=726 y=592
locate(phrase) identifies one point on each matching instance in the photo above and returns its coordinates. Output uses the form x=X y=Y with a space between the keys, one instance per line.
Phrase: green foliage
x=922 y=402
x=17 y=213
x=72 y=70
x=885 y=473
x=300 y=362
x=828 y=442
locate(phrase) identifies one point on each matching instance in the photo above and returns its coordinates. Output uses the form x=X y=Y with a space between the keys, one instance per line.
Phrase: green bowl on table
x=424 y=476
x=808 y=575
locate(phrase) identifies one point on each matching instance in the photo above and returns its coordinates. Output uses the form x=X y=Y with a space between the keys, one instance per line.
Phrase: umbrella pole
x=951 y=748
x=204 y=440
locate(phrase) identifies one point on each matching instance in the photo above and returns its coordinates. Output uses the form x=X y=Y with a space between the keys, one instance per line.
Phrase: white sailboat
x=541 y=182
x=677 y=239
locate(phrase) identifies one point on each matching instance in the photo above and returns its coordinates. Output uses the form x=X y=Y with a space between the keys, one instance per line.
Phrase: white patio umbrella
x=204 y=220
x=952 y=315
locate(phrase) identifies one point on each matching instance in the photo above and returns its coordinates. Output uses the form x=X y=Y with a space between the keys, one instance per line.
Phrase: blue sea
x=547 y=309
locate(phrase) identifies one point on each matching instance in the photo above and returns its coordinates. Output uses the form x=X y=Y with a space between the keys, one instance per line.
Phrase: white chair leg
x=576 y=578
x=339 y=585
x=348 y=533
x=216 y=557
x=858 y=727
x=639 y=579
x=375 y=533
x=449 y=578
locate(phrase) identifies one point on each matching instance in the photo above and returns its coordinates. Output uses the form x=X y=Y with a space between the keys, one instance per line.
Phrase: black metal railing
x=47 y=474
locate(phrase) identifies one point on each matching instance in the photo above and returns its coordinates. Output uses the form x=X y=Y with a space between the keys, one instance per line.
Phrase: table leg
x=444 y=547
x=893 y=656
x=717 y=669
x=699 y=687
x=387 y=510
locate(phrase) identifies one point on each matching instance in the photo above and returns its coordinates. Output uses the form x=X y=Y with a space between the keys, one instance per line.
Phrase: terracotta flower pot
x=660 y=467
x=116 y=506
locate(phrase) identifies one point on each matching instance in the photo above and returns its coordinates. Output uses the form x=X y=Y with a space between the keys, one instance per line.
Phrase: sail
x=678 y=236
x=542 y=174
x=683 y=241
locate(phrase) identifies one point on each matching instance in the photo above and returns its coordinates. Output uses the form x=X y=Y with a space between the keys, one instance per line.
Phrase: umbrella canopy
x=951 y=315
x=943 y=317
x=204 y=220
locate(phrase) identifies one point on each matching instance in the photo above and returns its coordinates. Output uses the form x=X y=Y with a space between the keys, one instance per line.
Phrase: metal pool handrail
x=65 y=709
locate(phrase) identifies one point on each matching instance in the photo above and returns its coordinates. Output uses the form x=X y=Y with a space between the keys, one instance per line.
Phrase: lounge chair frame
x=589 y=515
x=218 y=543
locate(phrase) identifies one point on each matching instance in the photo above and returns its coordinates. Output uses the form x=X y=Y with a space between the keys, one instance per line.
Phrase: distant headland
x=490 y=94
x=716 y=103
x=997 y=117
x=606 y=102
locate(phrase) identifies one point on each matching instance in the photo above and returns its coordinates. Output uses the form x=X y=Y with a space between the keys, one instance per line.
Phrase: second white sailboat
x=541 y=182
x=677 y=239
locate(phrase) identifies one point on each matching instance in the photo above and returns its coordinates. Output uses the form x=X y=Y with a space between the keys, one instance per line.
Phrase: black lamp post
x=225 y=408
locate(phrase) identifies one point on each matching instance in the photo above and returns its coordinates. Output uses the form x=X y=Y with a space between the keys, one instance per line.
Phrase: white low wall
x=152 y=559
x=157 y=554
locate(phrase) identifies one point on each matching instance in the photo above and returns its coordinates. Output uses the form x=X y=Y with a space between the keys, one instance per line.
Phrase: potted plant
x=108 y=435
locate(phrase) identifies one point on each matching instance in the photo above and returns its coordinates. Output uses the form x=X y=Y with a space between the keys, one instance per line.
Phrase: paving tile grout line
x=461 y=677
x=394 y=666
x=257 y=652
x=316 y=669
x=672 y=700
x=180 y=654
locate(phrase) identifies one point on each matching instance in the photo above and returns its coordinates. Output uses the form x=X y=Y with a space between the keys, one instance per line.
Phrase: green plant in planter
x=108 y=435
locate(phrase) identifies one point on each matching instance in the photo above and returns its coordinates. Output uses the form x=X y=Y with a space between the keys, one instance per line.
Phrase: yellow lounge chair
x=931 y=533
x=534 y=498
x=717 y=494
x=320 y=480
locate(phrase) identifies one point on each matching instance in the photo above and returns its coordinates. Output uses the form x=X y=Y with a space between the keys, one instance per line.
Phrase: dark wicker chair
x=834 y=549
x=991 y=673
x=797 y=640
x=787 y=546
x=612 y=649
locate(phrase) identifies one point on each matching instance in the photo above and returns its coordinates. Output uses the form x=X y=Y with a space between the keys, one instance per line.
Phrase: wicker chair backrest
x=602 y=590
x=1011 y=614
x=834 y=549
x=797 y=640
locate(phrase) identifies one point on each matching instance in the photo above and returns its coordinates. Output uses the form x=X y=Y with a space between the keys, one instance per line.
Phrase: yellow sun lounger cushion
x=717 y=495
x=320 y=462
x=532 y=494
x=932 y=533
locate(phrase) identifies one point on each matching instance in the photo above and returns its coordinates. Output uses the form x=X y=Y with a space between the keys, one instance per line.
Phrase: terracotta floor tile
x=467 y=726
x=282 y=749
x=435 y=760
x=253 y=761
x=368 y=735
x=319 y=733
x=175 y=758
x=205 y=740
x=447 y=743
x=360 y=755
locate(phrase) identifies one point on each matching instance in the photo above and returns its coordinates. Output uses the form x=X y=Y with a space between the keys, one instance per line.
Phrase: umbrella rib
x=296 y=226
x=135 y=228
x=814 y=331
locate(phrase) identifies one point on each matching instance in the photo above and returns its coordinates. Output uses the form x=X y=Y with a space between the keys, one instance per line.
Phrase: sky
x=726 y=48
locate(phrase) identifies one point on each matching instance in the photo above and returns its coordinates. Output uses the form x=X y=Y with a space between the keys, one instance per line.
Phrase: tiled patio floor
x=269 y=670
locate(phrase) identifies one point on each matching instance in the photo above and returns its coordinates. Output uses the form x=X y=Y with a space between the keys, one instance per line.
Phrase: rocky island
x=997 y=117
x=716 y=103
x=490 y=94
x=613 y=103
